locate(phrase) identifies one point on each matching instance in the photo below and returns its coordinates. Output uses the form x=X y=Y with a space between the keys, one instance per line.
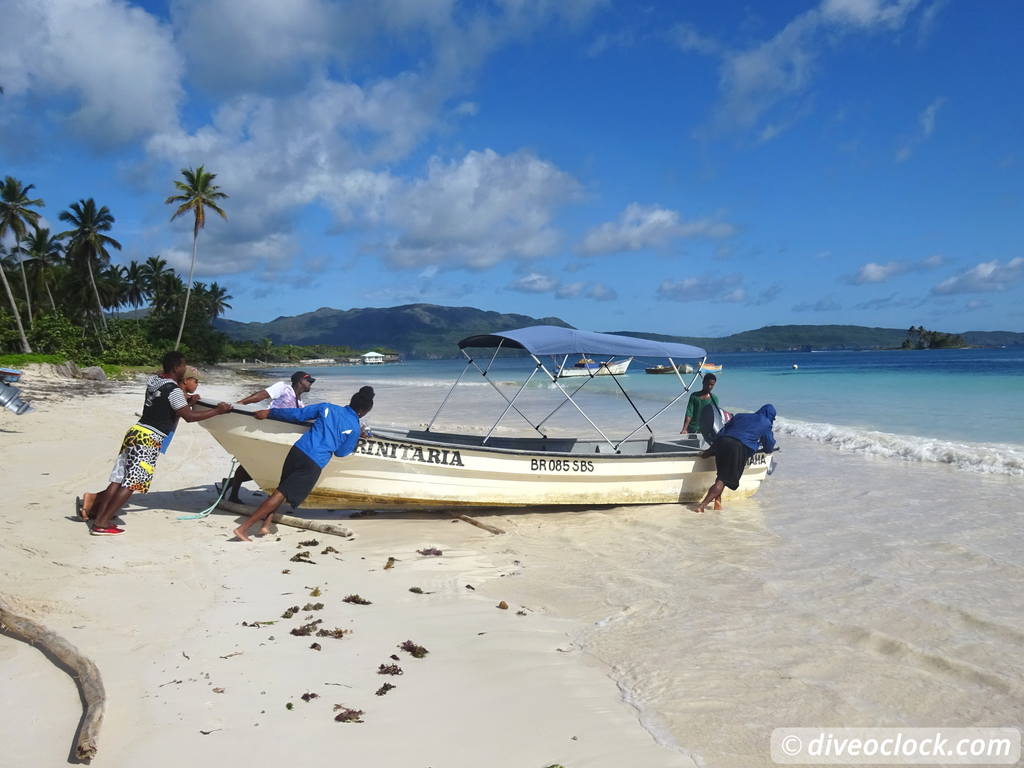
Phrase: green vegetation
x=64 y=297
x=921 y=338
x=778 y=338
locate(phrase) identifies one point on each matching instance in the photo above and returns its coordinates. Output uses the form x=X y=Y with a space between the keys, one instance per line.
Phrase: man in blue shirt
x=334 y=432
x=740 y=438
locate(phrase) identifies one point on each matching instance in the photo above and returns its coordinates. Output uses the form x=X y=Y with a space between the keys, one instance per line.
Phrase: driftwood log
x=492 y=528
x=67 y=657
x=320 y=526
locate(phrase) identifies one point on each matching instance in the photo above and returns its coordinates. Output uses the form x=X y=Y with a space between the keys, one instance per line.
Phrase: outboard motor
x=10 y=398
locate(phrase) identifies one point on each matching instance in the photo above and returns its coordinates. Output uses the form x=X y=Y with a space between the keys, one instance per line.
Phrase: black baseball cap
x=300 y=375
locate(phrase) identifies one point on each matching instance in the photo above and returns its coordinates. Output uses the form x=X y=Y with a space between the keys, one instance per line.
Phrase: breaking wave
x=987 y=458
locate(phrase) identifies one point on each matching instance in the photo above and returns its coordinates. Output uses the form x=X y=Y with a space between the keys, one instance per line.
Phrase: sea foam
x=990 y=458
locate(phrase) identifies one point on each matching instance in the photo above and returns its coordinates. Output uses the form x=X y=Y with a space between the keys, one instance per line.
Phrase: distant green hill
x=414 y=330
x=432 y=331
x=773 y=338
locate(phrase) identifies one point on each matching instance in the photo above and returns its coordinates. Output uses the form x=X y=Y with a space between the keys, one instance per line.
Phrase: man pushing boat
x=335 y=432
x=741 y=438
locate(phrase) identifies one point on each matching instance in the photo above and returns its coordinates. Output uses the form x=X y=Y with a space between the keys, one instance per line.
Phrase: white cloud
x=478 y=211
x=926 y=123
x=535 y=282
x=825 y=304
x=586 y=289
x=687 y=38
x=986 y=277
x=873 y=272
x=928 y=117
x=755 y=80
x=728 y=288
x=650 y=226
x=116 y=63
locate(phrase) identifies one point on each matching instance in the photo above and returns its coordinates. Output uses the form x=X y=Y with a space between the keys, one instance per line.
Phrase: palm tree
x=113 y=286
x=196 y=193
x=88 y=244
x=153 y=269
x=14 y=306
x=43 y=251
x=168 y=292
x=136 y=292
x=218 y=297
x=15 y=214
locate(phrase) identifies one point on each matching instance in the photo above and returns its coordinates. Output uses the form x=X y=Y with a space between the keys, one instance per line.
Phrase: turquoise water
x=961 y=407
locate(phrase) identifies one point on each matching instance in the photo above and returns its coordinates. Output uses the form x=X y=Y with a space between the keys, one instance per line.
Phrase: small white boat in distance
x=587 y=367
x=428 y=469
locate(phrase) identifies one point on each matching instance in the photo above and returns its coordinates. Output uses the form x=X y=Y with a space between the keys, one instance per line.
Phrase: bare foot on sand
x=699 y=508
x=718 y=503
x=83 y=505
x=240 y=534
x=264 y=532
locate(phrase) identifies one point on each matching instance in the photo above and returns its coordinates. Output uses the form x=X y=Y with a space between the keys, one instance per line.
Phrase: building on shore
x=373 y=358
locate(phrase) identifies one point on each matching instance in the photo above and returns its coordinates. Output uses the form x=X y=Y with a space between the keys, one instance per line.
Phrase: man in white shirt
x=281 y=395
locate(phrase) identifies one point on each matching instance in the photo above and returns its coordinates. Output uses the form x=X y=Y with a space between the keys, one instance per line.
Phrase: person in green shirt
x=697 y=402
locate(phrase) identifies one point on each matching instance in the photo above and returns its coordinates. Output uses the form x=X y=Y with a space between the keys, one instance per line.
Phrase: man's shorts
x=135 y=463
x=730 y=460
x=298 y=476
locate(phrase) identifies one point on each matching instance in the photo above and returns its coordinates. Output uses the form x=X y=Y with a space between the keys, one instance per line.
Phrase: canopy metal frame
x=539 y=366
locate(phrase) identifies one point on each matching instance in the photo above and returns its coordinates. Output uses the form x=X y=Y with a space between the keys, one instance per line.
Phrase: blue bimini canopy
x=553 y=340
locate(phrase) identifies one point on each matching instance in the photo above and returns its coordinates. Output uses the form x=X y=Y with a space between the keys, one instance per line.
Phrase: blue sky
x=687 y=168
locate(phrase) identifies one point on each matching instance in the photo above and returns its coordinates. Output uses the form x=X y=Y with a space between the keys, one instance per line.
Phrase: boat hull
x=400 y=470
x=597 y=369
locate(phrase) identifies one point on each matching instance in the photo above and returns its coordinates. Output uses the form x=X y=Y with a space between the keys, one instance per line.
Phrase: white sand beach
x=163 y=610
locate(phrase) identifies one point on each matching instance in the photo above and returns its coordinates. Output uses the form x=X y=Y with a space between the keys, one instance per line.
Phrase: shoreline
x=160 y=611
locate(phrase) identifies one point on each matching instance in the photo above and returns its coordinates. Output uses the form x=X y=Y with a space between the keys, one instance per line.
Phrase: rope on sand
x=227 y=483
x=81 y=669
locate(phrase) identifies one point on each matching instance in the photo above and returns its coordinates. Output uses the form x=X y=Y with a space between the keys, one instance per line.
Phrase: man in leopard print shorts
x=133 y=470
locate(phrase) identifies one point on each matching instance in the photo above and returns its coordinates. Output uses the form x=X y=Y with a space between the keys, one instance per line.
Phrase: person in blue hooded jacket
x=743 y=436
x=334 y=432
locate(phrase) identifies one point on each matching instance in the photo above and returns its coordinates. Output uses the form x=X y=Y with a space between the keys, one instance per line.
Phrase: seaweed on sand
x=337 y=633
x=315 y=592
x=329 y=550
x=430 y=551
x=315 y=646
x=310 y=543
x=417 y=651
x=290 y=612
x=302 y=557
x=308 y=697
x=346 y=715
x=313 y=606
x=357 y=600
x=385 y=688
x=389 y=669
x=306 y=629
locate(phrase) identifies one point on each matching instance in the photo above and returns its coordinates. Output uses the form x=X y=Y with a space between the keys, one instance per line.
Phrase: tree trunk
x=24 y=282
x=188 y=290
x=53 y=304
x=14 y=310
x=81 y=669
x=95 y=290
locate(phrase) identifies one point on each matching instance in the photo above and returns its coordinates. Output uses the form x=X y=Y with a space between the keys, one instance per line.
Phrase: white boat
x=427 y=469
x=587 y=367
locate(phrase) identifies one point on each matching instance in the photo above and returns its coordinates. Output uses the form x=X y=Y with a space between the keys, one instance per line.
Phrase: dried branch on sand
x=84 y=672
